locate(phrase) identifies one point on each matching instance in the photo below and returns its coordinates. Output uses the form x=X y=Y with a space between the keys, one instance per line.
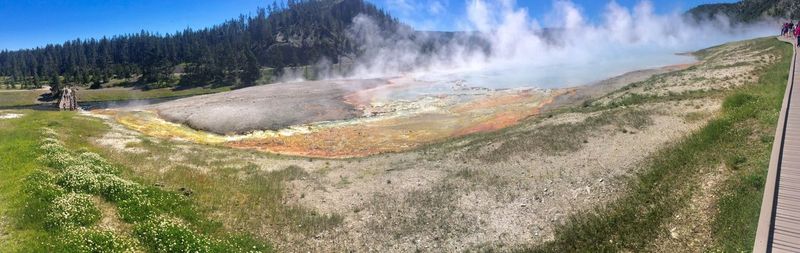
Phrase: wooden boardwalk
x=779 y=221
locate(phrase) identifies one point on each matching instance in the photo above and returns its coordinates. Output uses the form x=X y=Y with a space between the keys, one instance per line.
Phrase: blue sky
x=446 y=14
x=31 y=23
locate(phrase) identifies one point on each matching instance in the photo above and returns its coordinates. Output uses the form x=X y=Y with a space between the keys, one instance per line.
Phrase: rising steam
x=505 y=36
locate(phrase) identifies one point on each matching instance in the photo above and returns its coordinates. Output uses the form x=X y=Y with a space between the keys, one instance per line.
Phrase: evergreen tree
x=224 y=51
x=55 y=85
x=36 y=82
x=251 y=72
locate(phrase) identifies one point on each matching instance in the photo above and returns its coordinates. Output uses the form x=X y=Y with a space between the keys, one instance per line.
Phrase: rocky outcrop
x=68 y=100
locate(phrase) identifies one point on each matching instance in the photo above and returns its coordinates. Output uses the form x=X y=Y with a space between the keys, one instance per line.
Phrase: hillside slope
x=301 y=33
x=749 y=10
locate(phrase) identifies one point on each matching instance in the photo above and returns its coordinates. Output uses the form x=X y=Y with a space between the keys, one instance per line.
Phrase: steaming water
x=566 y=74
x=531 y=75
x=576 y=52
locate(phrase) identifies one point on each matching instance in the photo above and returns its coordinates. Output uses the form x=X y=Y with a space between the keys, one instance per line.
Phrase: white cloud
x=435 y=7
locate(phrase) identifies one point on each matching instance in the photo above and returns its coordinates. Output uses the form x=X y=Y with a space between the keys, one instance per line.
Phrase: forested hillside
x=749 y=10
x=301 y=33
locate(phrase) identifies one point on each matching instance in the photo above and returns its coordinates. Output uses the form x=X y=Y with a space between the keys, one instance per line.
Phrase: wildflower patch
x=10 y=116
x=67 y=191
x=72 y=210
x=92 y=240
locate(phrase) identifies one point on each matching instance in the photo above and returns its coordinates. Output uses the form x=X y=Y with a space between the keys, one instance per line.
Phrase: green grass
x=19 y=97
x=112 y=94
x=29 y=97
x=18 y=160
x=670 y=178
x=739 y=206
x=19 y=146
x=559 y=138
x=49 y=204
x=238 y=194
x=249 y=197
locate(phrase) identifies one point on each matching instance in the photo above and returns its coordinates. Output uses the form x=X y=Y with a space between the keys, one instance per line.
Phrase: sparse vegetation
x=669 y=180
x=253 y=188
x=559 y=138
x=696 y=116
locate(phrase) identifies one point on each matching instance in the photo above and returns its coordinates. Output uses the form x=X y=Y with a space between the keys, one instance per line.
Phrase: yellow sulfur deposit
x=401 y=125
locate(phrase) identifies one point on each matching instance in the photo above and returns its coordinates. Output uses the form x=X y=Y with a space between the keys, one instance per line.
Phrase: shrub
x=90 y=240
x=170 y=235
x=72 y=210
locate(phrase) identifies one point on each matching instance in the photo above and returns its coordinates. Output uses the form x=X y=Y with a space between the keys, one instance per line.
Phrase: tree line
x=299 y=33
x=749 y=10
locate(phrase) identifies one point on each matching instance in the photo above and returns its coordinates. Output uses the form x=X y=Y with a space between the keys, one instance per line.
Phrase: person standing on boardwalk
x=784 y=29
x=797 y=34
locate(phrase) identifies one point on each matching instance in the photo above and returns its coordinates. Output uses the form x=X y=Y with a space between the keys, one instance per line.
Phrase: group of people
x=791 y=30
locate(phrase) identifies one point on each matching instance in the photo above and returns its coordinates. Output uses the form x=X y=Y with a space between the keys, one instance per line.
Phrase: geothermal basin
x=361 y=117
x=336 y=119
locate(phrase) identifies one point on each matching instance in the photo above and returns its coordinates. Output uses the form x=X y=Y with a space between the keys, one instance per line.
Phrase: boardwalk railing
x=765 y=235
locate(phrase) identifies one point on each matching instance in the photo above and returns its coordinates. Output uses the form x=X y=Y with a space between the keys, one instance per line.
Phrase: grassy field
x=57 y=194
x=29 y=97
x=739 y=140
x=111 y=94
x=19 y=97
x=13 y=97
x=20 y=138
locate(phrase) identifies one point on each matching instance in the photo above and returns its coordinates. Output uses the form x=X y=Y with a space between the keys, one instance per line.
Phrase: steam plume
x=505 y=36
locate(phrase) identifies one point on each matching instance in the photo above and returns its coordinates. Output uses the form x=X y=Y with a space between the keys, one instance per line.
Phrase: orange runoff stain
x=361 y=137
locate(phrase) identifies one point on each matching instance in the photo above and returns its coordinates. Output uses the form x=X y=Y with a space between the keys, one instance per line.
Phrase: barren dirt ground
x=496 y=190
